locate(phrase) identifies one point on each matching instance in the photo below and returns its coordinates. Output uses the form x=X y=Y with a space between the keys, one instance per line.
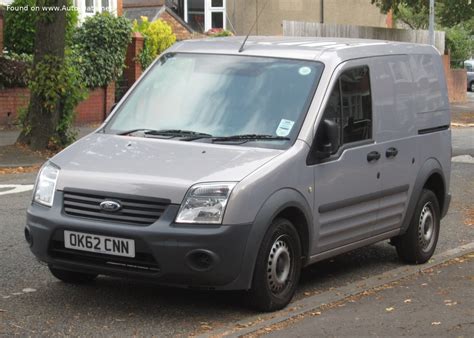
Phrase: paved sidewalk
x=437 y=302
x=13 y=156
x=463 y=113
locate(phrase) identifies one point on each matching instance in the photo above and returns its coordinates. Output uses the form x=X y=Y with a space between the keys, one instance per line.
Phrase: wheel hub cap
x=279 y=264
x=426 y=227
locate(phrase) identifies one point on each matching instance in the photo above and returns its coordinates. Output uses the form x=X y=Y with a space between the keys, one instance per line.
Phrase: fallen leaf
x=317 y=313
x=1 y=310
x=206 y=327
x=424 y=284
x=406 y=301
x=435 y=323
x=389 y=309
x=28 y=290
x=447 y=300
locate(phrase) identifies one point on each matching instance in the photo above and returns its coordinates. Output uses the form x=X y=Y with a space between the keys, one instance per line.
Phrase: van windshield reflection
x=202 y=96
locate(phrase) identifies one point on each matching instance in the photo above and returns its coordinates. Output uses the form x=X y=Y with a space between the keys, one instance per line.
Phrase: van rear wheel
x=278 y=267
x=72 y=277
x=418 y=244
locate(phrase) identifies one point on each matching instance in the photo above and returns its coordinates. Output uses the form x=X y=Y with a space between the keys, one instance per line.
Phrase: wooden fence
x=299 y=28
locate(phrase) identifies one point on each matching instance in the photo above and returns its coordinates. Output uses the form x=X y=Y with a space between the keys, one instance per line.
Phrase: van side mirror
x=327 y=139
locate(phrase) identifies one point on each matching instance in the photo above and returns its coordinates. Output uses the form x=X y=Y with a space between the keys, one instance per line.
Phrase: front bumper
x=203 y=256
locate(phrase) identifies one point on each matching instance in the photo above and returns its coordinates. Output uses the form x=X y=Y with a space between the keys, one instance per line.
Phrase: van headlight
x=46 y=184
x=205 y=203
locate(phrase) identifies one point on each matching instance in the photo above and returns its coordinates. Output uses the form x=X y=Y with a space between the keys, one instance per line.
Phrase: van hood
x=153 y=167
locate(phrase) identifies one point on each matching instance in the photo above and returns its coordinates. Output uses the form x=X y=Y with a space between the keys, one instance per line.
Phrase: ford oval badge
x=110 y=206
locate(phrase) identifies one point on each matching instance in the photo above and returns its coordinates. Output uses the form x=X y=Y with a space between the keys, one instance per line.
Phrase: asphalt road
x=32 y=302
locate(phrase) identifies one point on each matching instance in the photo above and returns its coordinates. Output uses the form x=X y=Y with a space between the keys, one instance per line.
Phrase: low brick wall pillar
x=456 y=81
x=133 y=70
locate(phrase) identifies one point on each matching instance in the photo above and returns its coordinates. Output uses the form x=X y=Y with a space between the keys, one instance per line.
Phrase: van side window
x=356 y=105
x=350 y=105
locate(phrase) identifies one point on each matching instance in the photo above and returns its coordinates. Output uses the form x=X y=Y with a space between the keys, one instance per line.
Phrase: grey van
x=233 y=170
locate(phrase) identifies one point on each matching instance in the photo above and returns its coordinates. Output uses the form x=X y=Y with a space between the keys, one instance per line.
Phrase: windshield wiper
x=166 y=132
x=250 y=137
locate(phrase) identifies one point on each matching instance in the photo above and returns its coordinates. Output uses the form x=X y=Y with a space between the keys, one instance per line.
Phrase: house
x=88 y=8
x=239 y=15
x=159 y=9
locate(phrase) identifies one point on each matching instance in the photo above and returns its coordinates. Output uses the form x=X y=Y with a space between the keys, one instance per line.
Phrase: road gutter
x=258 y=322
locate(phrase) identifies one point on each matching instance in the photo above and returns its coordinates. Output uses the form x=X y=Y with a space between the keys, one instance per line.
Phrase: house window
x=217 y=20
x=90 y=6
x=203 y=15
x=106 y=6
x=196 y=14
x=217 y=3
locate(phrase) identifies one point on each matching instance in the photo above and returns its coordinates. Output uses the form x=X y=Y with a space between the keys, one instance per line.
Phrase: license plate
x=99 y=244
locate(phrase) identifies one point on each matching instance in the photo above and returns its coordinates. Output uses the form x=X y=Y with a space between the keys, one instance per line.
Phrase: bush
x=20 y=26
x=13 y=73
x=158 y=37
x=99 y=48
x=459 y=42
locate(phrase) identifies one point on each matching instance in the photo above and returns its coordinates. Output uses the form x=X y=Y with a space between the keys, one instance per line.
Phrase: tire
x=418 y=244
x=471 y=87
x=278 y=267
x=72 y=277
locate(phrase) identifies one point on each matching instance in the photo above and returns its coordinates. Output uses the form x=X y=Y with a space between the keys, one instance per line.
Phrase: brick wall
x=178 y=29
x=97 y=106
x=92 y=110
x=456 y=80
x=11 y=100
x=133 y=70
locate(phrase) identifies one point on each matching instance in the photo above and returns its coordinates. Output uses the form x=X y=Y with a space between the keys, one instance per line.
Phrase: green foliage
x=219 y=32
x=459 y=42
x=13 y=73
x=449 y=13
x=158 y=37
x=99 y=48
x=23 y=57
x=20 y=26
x=415 y=19
x=58 y=83
x=456 y=17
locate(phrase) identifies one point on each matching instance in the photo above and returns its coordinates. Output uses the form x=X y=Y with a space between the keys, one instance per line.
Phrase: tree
x=414 y=13
x=20 y=26
x=456 y=17
x=44 y=110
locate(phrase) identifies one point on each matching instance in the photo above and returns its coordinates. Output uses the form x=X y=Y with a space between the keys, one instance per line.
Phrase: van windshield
x=221 y=96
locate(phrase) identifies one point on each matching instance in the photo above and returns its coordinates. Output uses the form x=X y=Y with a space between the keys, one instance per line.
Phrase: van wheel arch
x=285 y=203
x=431 y=177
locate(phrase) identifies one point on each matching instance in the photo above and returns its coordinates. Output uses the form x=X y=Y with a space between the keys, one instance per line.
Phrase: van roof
x=306 y=48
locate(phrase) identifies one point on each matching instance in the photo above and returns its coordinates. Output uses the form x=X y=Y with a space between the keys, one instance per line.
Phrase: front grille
x=142 y=262
x=135 y=210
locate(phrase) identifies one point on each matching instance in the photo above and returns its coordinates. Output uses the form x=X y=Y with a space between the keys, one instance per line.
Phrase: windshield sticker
x=305 y=71
x=284 y=127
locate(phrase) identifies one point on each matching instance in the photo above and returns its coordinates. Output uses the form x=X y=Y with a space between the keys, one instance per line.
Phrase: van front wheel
x=278 y=267
x=418 y=244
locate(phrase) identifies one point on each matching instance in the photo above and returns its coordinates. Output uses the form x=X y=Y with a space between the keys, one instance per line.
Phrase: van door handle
x=391 y=152
x=373 y=156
